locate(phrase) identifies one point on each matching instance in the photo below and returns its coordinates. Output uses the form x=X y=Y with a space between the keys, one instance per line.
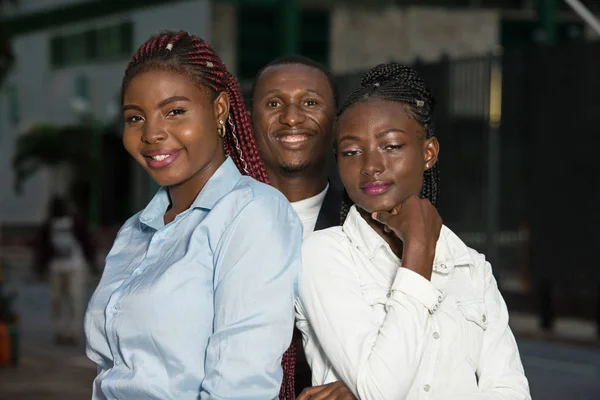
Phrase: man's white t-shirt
x=308 y=211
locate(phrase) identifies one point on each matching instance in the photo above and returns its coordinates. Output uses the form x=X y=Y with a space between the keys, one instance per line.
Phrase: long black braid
x=399 y=83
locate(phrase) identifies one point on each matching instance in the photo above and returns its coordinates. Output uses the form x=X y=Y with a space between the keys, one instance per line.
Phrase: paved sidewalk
x=47 y=372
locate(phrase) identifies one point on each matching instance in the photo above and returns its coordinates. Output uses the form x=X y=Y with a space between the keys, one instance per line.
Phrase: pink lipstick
x=375 y=188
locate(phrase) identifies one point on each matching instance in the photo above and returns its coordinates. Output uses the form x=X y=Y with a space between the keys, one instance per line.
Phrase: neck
x=298 y=186
x=390 y=238
x=182 y=196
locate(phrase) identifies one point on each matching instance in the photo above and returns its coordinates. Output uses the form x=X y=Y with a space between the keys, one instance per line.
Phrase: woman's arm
x=376 y=361
x=256 y=277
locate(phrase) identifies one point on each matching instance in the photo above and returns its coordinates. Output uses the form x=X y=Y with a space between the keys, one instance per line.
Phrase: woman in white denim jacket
x=393 y=304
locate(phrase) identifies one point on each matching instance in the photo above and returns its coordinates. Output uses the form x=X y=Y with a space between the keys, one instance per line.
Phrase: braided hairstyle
x=399 y=83
x=192 y=56
x=188 y=54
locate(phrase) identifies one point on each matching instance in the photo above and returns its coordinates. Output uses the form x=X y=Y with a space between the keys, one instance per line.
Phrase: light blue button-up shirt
x=203 y=307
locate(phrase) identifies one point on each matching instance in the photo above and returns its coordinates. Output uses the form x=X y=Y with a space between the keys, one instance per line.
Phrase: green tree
x=64 y=150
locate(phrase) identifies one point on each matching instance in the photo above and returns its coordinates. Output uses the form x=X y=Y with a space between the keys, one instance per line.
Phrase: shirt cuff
x=414 y=285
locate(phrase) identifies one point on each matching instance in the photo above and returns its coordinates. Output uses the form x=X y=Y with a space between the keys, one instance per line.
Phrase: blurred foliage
x=45 y=145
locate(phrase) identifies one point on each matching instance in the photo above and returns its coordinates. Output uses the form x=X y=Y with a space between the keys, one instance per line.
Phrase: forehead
x=376 y=115
x=289 y=78
x=158 y=84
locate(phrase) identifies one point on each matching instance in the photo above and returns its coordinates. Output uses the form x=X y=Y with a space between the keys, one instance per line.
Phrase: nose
x=373 y=164
x=292 y=115
x=153 y=133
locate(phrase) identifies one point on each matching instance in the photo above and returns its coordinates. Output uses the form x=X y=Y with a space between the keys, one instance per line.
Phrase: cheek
x=194 y=134
x=265 y=119
x=261 y=136
x=409 y=175
x=349 y=172
x=322 y=118
x=130 y=142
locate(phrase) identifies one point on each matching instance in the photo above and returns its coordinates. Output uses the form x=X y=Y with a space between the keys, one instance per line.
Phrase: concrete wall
x=224 y=33
x=362 y=38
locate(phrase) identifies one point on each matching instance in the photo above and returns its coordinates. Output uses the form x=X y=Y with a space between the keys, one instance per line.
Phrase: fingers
x=383 y=216
x=331 y=391
x=315 y=392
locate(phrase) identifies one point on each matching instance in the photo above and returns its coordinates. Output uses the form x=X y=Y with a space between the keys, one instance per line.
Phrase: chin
x=294 y=166
x=375 y=203
x=165 y=180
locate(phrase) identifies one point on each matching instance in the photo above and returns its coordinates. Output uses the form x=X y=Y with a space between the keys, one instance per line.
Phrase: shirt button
x=484 y=318
x=137 y=272
x=117 y=362
x=436 y=335
x=388 y=294
x=427 y=388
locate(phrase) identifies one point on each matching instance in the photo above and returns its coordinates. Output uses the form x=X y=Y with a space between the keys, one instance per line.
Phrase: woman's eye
x=133 y=119
x=176 y=111
x=393 y=147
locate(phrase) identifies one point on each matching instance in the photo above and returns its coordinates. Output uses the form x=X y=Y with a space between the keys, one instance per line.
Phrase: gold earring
x=221 y=129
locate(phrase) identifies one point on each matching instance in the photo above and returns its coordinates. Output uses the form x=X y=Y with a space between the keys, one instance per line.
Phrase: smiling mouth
x=293 y=138
x=160 y=157
x=162 y=160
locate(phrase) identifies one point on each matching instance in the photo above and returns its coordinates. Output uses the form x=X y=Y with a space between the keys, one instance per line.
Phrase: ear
x=431 y=151
x=221 y=107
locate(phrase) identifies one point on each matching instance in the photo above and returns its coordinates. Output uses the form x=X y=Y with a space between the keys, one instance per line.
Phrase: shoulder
x=125 y=233
x=328 y=248
x=252 y=206
x=326 y=238
x=454 y=251
x=251 y=195
x=451 y=248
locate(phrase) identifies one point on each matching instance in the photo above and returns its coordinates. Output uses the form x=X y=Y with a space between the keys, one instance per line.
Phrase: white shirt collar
x=450 y=251
x=311 y=202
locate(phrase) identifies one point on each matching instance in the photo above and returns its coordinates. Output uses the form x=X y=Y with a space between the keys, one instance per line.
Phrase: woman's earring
x=221 y=129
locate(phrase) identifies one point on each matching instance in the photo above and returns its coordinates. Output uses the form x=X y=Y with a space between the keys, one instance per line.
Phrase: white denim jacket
x=390 y=334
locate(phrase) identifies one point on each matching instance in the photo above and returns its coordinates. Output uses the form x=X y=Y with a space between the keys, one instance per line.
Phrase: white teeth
x=293 y=138
x=160 y=157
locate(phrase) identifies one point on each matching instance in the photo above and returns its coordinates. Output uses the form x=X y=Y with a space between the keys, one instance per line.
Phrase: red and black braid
x=180 y=51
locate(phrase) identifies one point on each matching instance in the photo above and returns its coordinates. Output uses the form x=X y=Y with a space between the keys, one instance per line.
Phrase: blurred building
x=70 y=57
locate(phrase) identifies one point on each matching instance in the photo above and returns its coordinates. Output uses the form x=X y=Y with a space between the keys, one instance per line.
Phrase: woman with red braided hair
x=197 y=296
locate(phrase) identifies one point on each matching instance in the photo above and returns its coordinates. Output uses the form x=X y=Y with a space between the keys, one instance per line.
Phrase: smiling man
x=293 y=109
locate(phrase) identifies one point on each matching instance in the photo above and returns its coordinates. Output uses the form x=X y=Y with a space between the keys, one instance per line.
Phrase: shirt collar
x=220 y=183
x=312 y=202
x=450 y=251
